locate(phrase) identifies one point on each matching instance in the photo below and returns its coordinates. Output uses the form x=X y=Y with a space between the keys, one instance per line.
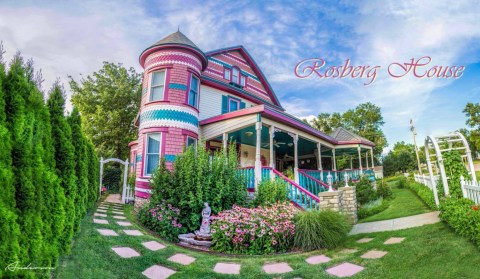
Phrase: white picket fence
x=470 y=190
x=129 y=194
x=426 y=180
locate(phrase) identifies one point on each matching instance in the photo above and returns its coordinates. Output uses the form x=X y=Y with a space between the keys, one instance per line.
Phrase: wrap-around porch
x=272 y=144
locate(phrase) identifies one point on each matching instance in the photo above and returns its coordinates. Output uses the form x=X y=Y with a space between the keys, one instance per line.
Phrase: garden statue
x=204 y=232
x=201 y=239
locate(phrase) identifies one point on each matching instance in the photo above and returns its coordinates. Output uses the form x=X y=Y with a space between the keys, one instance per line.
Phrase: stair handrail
x=323 y=184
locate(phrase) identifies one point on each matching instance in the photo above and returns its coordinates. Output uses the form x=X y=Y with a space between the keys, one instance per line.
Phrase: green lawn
x=427 y=251
x=405 y=203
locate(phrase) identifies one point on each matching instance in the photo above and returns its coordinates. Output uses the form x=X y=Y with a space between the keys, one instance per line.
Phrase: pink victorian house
x=190 y=95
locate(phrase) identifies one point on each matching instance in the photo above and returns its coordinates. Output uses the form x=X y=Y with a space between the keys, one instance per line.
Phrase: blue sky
x=74 y=38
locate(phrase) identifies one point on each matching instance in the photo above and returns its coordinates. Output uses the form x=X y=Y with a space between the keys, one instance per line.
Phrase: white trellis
x=445 y=143
x=127 y=193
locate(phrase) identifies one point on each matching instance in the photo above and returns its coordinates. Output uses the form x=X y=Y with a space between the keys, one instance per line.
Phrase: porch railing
x=248 y=173
x=266 y=173
x=310 y=183
x=297 y=194
x=353 y=174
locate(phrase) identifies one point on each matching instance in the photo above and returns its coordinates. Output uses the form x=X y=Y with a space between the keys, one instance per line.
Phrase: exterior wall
x=217 y=63
x=249 y=160
x=211 y=102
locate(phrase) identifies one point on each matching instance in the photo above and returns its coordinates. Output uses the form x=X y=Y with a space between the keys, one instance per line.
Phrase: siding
x=211 y=102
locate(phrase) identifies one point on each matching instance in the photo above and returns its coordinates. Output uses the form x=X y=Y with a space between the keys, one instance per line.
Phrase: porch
x=272 y=144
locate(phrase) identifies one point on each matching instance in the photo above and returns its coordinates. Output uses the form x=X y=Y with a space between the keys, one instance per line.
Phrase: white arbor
x=435 y=145
x=127 y=194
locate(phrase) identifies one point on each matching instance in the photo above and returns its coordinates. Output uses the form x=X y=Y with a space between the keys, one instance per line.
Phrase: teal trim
x=228 y=66
x=224 y=104
x=177 y=86
x=169 y=157
x=165 y=114
x=259 y=117
x=138 y=158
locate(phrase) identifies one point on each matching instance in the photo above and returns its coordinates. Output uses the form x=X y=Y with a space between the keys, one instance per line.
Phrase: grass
x=427 y=250
x=405 y=203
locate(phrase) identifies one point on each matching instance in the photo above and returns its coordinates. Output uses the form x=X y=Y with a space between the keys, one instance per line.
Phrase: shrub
x=365 y=191
x=270 y=192
x=163 y=219
x=401 y=182
x=260 y=230
x=373 y=208
x=199 y=178
x=424 y=193
x=383 y=190
x=320 y=229
x=454 y=168
x=112 y=176
x=463 y=216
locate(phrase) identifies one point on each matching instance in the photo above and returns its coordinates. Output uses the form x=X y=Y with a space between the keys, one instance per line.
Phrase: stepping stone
x=133 y=232
x=344 y=270
x=227 y=268
x=102 y=210
x=153 y=245
x=100 y=221
x=99 y=214
x=277 y=268
x=394 y=240
x=125 y=224
x=119 y=217
x=117 y=212
x=373 y=254
x=107 y=232
x=318 y=259
x=126 y=252
x=158 y=272
x=181 y=259
x=364 y=240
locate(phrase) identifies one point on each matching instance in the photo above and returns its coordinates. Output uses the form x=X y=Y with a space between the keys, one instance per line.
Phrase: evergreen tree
x=20 y=122
x=10 y=232
x=64 y=159
x=93 y=173
x=81 y=165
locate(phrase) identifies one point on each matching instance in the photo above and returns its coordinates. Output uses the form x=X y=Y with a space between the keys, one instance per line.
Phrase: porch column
x=272 y=157
x=295 y=158
x=371 y=156
x=366 y=159
x=334 y=160
x=359 y=159
x=351 y=162
x=225 y=140
x=258 y=162
x=319 y=157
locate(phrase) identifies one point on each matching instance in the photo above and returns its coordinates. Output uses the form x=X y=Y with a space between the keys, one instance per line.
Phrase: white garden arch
x=127 y=194
x=444 y=143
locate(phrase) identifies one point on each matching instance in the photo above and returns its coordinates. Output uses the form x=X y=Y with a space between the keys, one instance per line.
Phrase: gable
x=256 y=83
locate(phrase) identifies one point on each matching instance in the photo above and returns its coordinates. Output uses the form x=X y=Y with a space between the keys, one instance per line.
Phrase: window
x=235 y=75
x=242 y=81
x=193 y=93
x=152 y=153
x=227 y=74
x=157 y=86
x=233 y=104
x=191 y=141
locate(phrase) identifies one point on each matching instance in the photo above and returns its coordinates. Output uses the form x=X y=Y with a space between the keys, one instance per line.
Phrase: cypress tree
x=20 y=122
x=81 y=165
x=93 y=173
x=10 y=232
x=64 y=160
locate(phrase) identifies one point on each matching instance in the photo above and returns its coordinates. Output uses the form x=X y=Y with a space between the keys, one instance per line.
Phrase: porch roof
x=286 y=119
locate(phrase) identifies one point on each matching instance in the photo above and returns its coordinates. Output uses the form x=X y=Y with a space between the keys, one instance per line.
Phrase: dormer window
x=242 y=81
x=157 y=86
x=227 y=74
x=235 y=75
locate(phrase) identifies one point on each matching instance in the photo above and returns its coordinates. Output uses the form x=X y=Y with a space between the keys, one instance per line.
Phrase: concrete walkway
x=397 y=224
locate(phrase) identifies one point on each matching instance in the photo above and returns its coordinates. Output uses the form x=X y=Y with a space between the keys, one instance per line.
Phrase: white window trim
x=145 y=161
x=151 y=88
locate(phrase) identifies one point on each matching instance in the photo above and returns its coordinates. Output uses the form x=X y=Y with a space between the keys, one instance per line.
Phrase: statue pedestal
x=194 y=240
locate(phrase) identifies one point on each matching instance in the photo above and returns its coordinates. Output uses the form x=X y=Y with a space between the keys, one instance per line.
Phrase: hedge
x=364 y=212
x=40 y=202
x=424 y=193
x=463 y=216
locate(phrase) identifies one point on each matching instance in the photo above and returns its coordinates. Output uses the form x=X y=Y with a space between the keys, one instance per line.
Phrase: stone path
x=397 y=224
x=342 y=269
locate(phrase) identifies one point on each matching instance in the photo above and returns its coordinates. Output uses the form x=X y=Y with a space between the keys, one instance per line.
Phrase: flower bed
x=260 y=230
x=162 y=219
